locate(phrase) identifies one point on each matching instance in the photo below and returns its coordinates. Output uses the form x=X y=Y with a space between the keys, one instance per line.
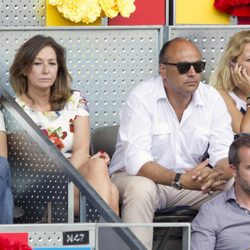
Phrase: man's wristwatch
x=177 y=182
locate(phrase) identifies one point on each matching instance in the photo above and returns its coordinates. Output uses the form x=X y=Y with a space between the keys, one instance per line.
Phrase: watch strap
x=177 y=177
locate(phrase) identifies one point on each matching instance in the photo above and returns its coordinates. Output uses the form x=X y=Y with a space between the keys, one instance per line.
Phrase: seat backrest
x=104 y=138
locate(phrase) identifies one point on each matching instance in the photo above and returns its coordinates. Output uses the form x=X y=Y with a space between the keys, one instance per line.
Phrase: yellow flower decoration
x=126 y=7
x=109 y=8
x=78 y=10
x=88 y=11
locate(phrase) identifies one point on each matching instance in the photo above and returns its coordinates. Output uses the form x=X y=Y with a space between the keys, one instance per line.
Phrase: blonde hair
x=23 y=61
x=221 y=79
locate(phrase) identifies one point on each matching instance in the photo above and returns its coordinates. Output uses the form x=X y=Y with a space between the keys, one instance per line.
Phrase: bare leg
x=96 y=173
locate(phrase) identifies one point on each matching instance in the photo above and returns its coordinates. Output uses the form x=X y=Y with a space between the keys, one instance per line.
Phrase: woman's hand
x=103 y=155
x=241 y=78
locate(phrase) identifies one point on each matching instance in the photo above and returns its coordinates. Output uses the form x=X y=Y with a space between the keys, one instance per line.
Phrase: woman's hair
x=23 y=62
x=221 y=78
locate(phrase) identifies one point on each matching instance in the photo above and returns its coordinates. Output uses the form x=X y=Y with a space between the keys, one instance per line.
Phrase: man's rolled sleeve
x=222 y=133
x=135 y=161
x=136 y=135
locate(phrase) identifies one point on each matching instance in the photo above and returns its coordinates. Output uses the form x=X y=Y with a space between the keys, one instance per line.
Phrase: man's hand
x=202 y=178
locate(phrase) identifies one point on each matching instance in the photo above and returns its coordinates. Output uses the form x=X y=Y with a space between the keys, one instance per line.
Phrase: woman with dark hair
x=41 y=81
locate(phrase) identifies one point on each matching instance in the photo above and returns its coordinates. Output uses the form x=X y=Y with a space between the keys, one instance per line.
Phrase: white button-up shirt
x=150 y=130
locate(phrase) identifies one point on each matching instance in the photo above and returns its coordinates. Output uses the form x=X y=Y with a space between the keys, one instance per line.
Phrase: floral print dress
x=59 y=125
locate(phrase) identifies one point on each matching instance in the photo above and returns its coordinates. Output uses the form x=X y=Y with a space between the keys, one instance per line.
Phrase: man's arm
x=204 y=229
x=221 y=138
x=157 y=173
x=214 y=178
x=223 y=167
x=164 y=176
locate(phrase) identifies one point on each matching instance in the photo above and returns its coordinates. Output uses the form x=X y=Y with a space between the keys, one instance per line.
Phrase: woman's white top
x=240 y=104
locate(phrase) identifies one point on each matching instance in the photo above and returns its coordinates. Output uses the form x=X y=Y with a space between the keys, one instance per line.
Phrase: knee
x=98 y=167
x=142 y=190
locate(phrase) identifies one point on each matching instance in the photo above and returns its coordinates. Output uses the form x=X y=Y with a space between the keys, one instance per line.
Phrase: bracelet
x=248 y=105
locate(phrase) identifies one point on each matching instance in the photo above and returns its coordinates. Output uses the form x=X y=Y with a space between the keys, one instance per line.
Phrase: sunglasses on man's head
x=184 y=67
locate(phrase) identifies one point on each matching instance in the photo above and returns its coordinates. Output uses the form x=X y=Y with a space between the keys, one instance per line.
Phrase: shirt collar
x=230 y=194
x=197 y=96
x=160 y=90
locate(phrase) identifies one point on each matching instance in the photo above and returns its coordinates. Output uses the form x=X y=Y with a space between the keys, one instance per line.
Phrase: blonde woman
x=232 y=80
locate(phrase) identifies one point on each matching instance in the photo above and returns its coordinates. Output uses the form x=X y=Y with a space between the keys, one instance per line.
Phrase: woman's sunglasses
x=184 y=67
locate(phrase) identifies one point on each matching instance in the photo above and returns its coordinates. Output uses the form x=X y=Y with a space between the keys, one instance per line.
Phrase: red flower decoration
x=57 y=141
x=64 y=135
x=233 y=7
x=71 y=125
x=5 y=244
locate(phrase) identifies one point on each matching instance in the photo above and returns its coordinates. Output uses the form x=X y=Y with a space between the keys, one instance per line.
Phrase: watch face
x=176 y=185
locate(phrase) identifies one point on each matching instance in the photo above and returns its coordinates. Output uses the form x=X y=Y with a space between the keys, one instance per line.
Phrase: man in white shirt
x=166 y=126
